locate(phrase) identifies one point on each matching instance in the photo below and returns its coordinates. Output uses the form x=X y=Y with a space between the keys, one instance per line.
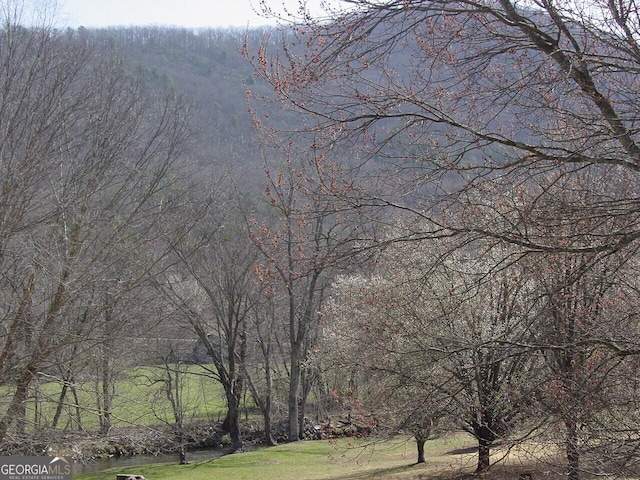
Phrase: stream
x=100 y=464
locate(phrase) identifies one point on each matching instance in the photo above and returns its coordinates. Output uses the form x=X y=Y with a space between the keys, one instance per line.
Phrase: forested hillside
x=208 y=68
x=413 y=217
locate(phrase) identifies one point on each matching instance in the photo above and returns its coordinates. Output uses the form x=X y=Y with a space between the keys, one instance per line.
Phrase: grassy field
x=331 y=460
x=139 y=399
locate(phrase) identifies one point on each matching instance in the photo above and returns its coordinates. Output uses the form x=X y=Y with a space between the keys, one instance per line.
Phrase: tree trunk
x=264 y=404
x=105 y=415
x=484 y=453
x=20 y=414
x=571 y=446
x=76 y=401
x=294 y=389
x=307 y=379
x=56 y=416
x=182 y=448
x=67 y=380
x=17 y=404
x=420 y=444
x=105 y=360
x=302 y=411
x=231 y=422
x=268 y=430
x=268 y=436
x=183 y=454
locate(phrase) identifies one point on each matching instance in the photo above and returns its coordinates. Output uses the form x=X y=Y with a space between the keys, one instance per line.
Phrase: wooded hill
x=206 y=66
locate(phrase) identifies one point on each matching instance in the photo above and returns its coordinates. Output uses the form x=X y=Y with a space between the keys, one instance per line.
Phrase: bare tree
x=84 y=184
x=263 y=335
x=303 y=242
x=171 y=376
x=461 y=94
x=585 y=307
x=213 y=292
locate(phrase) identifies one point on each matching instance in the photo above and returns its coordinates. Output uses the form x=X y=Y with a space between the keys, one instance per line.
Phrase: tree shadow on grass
x=384 y=473
x=463 y=451
x=442 y=472
x=375 y=473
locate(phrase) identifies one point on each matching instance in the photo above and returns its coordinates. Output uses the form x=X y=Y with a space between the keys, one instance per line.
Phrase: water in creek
x=100 y=464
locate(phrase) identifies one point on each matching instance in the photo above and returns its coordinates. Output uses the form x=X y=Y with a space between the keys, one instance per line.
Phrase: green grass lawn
x=448 y=458
x=139 y=399
x=328 y=460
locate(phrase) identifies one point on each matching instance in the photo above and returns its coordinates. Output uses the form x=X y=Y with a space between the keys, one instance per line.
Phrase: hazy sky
x=184 y=13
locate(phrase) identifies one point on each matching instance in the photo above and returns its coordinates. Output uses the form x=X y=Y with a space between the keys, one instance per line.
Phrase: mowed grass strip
x=452 y=457
x=324 y=460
